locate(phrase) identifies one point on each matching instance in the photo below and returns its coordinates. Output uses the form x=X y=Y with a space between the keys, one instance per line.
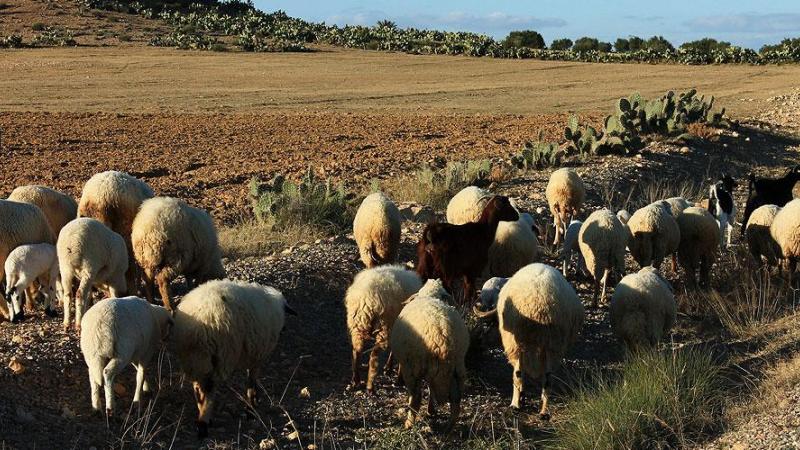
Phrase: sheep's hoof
x=50 y=312
x=544 y=417
x=355 y=386
x=109 y=412
x=515 y=407
x=371 y=391
x=202 y=429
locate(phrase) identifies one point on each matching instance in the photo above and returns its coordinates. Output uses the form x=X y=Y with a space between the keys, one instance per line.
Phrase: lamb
x=171 y=238
x=722 y=206
x=515 y=246
x=769 y=191
x=785 y=230
x=25 y=265
x=602 y=240
x=654 y=235
x=222 y=326
x=467 y=205
x=376 y=229
x=118 y=332
x=430 y=341
x=94 y=255
x=21 y=224
x=58 y=208
x=569 y=246
x=114 y=198
x=565 y=194
x=540 y=316
x=490 y=292
x=373 y=301
x=643 y=309
x=451 y=252
x=759 y=240
x=700 y=239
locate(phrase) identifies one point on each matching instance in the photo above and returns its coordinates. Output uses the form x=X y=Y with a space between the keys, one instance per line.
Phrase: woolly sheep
x=118 y=332
x=94 y=255
x=114 y=198
x=20 y=223
x=602 y=240
x=222 y=326
x=785 y=230
x=58 y=208
x=569 y=246
x=373 y=301
x=171 y=238
x=515 y=246
x=700 y=236
x=25 y=265
x=642 y=309
x=759 y=240
x=654 y=235
x=490 y=291
x=674 y=205
x=430 y=341
x=467 y=205
x=565 y=194
x=376 y=229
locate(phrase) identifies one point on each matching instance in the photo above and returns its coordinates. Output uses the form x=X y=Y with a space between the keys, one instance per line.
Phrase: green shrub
x=527 y=38
x=124 y=37
x=561 y=44
x=53 y=38
x=11 y=41
x=38 y=26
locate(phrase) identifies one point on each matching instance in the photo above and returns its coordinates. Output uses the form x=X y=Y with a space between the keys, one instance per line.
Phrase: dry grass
x=435 y=188
x=251 y=238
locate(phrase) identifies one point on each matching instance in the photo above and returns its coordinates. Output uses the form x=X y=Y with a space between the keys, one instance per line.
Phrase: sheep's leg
x=543 y=414
x=355 y=381
x=518 y=384
x=705 y=271
x=557 y=227
x=252 y=384
x=66 y=293
x=431 y=404
x=606 y=274
x=373 y=367
x=675 y=262
x=137 y=395
x=31 y=292
x=415 y=399
x=96 y=386
x=114 y=366
x=455 y=402
x=149 y=286
x=163 y=289
x=595 y=291
x=204 y=395
x=82 y=300
x=791 y=267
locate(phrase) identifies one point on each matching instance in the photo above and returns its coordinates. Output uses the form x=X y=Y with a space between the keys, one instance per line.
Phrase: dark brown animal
x=769 y=191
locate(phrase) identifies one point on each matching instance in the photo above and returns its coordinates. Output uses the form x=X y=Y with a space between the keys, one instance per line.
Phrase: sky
x=745 y=23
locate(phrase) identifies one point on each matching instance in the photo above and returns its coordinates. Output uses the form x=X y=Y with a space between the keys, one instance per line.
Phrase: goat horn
x=484 y=314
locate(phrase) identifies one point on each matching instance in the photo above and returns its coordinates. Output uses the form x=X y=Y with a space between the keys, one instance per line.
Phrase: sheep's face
x=15 y=311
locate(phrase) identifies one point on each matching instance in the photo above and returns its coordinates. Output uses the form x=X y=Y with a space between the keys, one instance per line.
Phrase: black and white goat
x=769 y=191
x=722 y=206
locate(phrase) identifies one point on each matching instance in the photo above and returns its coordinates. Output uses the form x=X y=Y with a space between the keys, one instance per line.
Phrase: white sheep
x=569 y=246
x=58 y=208
x=654 y=235
x=94 y=255
x=515 y=246
x=565 y=195
x=785 y=230
x=642 y=309
x=602 y=241
x=25 y=265
x=624 y=216
x=673 y=205
x=222 y=326
x=170 y=238
x=490 y=292
x=759 y=240
x=118 y=332
x=467 y=205
x=700 y=238
x=114 y=198
x=20 y=223
x=430 y=341
x=373 y=302
x=376 y=229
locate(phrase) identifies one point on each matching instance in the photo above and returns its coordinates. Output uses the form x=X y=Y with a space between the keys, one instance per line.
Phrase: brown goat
x=450 y=252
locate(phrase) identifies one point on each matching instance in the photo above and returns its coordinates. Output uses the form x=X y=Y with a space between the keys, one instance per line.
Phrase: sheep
x=118 y=332
x=722 y=206
x=769 y=191
x=20 y=223
x=565 y=194
x=451 y=252
x=25 y=265
x=114 y=198
x=430 y=341
x=58 y=208
x=643 y=309
x=785 y=230
x=376 y=229
x=674 y=205
x=569 y=246
x=653 y=235
x=222 y=326
x=467 y=205
x=170 y=238
x=759 y=240
x=624 y=216
x=373 y=301
x=700 y=239
x=95 y=255
x=490 y=291
x=602 y=240
x=515 y=246
x=540 y=316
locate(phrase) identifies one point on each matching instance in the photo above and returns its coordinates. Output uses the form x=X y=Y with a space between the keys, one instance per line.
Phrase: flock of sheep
x=120 y=237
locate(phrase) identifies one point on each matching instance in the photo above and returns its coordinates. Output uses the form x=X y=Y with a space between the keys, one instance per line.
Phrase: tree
x=636 y=43
x=705 y=45
x=659 y=44
x=604 y=47
x=526 y=38
x=585 y=44
x=622 y=45
x=561 y=44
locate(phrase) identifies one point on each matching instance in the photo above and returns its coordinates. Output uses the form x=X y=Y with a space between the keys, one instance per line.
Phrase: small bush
x=38 y=26
x=124 y=37
x=218 y=47
x=53 y=38
x=12 y=41
x=435 y=187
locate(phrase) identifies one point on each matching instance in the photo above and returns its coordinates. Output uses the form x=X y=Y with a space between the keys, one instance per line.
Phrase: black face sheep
x=642 y=309
x=722 y=206
x=700 y=236
x=114 y=198
x=602 y=239
x=430 y=341
x=467 y=205
x=94 y=255
x=565 y=194
x=460 y=252
x=769 y=191
x=222 y=326
x=376 y=229
x=24 y=266
x=171 y=238
x=118 y=332
x=785 y=230
x=654 y=235
x=373 y=302
x=20 y=223
x=58 y=208
x=759 y=240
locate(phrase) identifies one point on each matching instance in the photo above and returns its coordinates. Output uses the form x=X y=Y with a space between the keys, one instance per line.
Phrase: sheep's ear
x=288 y=309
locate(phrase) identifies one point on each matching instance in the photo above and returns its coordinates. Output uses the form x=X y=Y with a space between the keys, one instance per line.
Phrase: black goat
x=769 y=191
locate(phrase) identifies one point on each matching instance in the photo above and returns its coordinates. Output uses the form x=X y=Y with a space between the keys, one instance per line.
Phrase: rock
x=293 y=435
x=423 y=214
x=267 y=444
x=17 y=339
x=305 y=393
x=16 y=366
x=685 y=149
